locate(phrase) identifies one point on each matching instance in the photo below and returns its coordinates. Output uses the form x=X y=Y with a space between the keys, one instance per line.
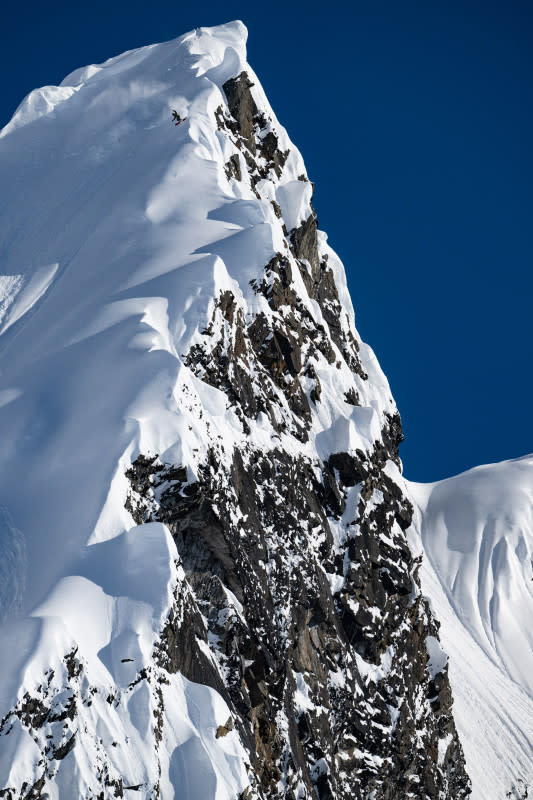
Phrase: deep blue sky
x=416 y=123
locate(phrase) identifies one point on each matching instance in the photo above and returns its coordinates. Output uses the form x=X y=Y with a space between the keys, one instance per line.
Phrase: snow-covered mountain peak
x=222 y=48
x=210 y=591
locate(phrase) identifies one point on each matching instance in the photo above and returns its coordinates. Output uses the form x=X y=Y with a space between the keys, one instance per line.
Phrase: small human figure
x=177 y=119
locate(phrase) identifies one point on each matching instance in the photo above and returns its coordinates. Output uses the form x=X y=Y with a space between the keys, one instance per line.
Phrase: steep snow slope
x=103 y=194
x=477 y=534
x=207 y=590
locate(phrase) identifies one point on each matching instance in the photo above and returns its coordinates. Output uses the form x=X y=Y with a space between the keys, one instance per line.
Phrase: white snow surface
x=476 y=531
x=118 y=231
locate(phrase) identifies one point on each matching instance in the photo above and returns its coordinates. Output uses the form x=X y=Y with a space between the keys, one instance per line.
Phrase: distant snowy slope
x=477 y=534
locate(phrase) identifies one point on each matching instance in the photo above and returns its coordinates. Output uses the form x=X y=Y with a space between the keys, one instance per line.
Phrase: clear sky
x=415 y=120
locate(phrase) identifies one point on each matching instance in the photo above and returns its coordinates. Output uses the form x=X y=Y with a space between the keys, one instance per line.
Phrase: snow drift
x=476 y=530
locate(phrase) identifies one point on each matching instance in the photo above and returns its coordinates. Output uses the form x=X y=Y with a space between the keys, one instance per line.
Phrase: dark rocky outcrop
x=242 y=107
x=343 y=627
x=251 y=131
x=233 y=168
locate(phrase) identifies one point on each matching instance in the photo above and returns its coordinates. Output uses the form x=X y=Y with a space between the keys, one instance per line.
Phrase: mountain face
x=207 y=588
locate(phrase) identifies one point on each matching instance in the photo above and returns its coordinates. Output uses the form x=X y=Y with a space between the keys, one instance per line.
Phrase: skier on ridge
x=177 y=119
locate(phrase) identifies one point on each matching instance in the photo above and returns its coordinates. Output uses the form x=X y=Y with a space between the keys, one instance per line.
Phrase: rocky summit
x=209 y=584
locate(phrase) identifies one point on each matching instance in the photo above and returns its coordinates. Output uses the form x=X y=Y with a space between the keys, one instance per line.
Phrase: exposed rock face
x=320 y=643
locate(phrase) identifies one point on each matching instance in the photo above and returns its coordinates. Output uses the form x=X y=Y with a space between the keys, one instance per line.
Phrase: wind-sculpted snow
x=209 y=590
x=12 y=565
x=477 y=534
